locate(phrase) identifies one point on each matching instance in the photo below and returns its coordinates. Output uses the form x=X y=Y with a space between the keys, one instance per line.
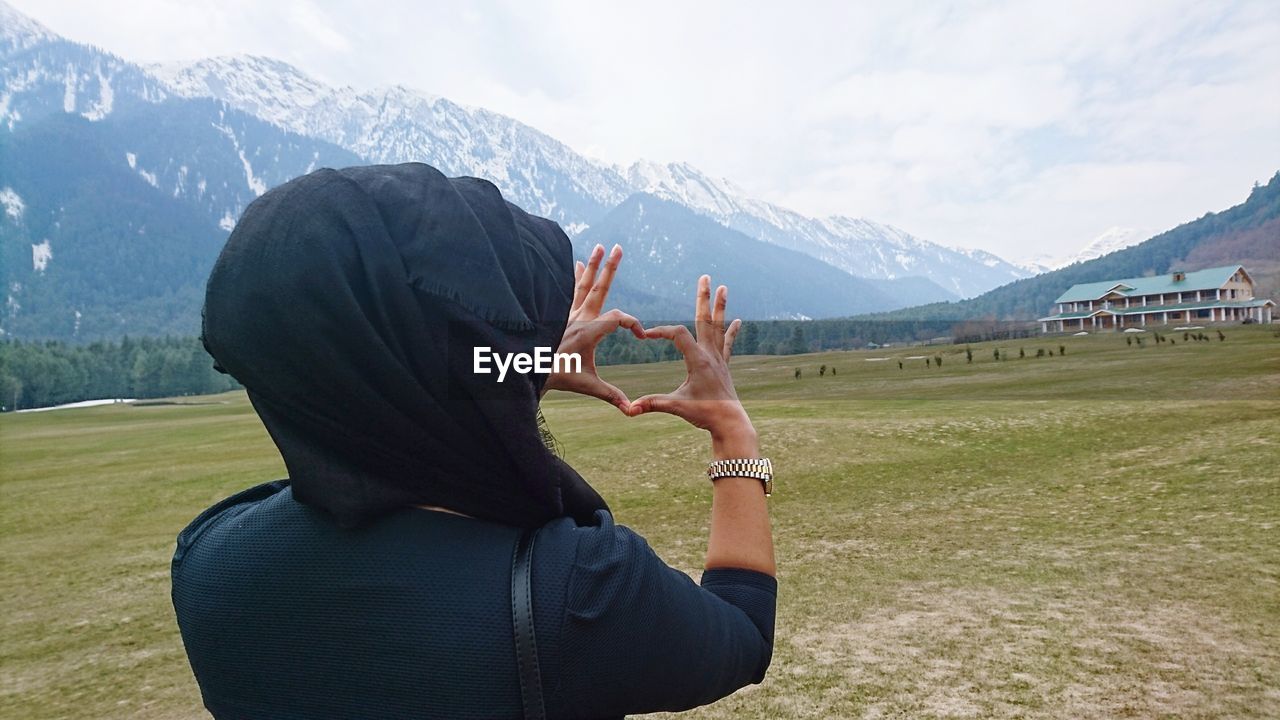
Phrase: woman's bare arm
x=740 y=535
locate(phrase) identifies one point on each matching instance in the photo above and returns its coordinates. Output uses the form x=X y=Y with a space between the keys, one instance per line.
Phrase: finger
x=621 y=319
x=729 y=336
x=652 y=403
x=677 y=334
x=609 y=393
x=579 y=294
x=588 y=277
x=717 y=313
x=702 y=308
x=600 y=290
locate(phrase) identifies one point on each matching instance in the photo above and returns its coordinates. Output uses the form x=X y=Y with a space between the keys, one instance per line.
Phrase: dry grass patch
x=939 y=651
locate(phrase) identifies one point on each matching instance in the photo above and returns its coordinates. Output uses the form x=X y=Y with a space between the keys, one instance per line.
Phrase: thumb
x=652 y=403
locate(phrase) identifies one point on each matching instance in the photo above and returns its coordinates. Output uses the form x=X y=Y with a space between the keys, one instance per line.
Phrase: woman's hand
x=588 y=326
x=707 y=398
x=740 y=536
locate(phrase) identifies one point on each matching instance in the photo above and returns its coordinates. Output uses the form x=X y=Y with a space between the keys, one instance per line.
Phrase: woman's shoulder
x=269 y=492
x=601 y=564
x=602 y=542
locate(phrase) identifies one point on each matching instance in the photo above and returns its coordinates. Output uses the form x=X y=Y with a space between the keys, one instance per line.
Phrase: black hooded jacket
x=348 y=303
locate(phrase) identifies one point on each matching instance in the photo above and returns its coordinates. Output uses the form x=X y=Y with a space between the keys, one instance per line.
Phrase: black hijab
x=348 y=303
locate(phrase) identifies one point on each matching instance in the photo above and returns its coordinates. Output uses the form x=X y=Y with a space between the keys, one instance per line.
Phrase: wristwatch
x=756 y=468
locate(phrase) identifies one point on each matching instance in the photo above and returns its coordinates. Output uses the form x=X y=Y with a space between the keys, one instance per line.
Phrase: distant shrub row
x=40 y=374
x=43 y=373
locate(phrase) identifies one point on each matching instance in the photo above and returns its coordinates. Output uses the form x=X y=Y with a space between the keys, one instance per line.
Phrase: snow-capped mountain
x=200 y=150
x=120 y=182
x=1113 y=239
x=669 y=245
x=19 y=32
x=118 y=195
x=860 y=247
x=398 y=124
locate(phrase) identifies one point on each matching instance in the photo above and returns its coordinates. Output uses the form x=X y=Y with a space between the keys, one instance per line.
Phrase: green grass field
x=1095 y=535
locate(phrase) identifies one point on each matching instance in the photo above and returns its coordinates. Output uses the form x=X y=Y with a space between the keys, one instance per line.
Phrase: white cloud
x=1020 y=127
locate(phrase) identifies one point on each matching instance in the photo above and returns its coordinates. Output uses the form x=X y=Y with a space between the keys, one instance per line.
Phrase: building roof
x=1157 y=309
x=1209 y=279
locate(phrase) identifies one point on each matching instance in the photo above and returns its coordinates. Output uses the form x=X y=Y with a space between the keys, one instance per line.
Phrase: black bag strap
x=522 y=615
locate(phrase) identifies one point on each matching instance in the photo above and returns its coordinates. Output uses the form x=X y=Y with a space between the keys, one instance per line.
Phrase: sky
x=1023 y=128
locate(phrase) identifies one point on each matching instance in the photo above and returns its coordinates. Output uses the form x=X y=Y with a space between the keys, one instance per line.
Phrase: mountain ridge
x=861 y=247
x=392 y=124
x=284 y=94
x=1247 y=231
x=1111 y=240
x=207 y=137
x=681 y=244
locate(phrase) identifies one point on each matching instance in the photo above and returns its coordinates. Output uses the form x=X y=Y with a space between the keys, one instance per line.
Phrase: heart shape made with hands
x=707 y=391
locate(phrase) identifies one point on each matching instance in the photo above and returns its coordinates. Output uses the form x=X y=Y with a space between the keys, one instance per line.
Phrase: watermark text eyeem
x=543 y=360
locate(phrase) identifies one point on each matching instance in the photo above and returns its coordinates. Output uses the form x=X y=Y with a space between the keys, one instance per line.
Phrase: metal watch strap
x=755 y=468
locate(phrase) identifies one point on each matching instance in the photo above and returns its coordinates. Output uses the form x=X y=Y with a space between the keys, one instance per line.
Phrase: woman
x=377 y=581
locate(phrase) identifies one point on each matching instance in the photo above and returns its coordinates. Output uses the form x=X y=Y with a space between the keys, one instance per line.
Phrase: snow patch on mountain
x=268 y=88
x=13 y=205
x=41 y=254
x=69 y=90
x=150 y=177
x=990 y=260
x=1111 y=240
x=255 y=183
x=685 y=184
x=19 y=32
x=6 y=116
x=106 y=98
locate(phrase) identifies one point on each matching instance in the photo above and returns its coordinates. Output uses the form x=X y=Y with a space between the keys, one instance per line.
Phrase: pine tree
x=797 y=345
x=748 y=343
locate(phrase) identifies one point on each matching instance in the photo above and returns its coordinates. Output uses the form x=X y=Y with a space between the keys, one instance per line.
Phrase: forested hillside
x=89 y=248
x=1248 y=233
x=40 y=374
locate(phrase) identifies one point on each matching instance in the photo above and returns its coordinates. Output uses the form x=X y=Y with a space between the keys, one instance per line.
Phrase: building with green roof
x=1216 y=295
